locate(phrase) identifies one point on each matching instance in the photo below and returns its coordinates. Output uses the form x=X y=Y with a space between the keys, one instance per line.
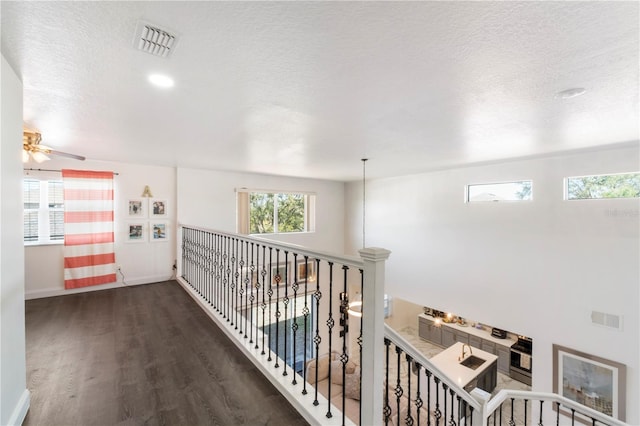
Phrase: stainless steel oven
x=521 y=360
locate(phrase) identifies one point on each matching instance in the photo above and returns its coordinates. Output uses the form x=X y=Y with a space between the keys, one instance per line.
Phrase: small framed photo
x=158 y=207
x=280 y=274
x=158 y=232
x=595 y=382
x=307 y=270
x=138 y=208
x=135 y=233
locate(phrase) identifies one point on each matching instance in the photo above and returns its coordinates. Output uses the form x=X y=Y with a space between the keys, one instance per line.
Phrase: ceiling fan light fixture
x=40 y=157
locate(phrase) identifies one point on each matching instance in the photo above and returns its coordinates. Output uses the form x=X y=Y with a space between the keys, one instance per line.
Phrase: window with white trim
x=43 y=211
x=501 y=191
x=619 y=185
x=264 y=212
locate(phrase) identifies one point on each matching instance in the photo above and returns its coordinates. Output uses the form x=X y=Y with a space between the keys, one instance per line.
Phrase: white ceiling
x=310 y=88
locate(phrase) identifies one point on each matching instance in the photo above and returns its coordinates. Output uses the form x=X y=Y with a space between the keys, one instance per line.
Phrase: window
x=43 y=211
x=504 y=191
x=275 y=212
x=621 y=185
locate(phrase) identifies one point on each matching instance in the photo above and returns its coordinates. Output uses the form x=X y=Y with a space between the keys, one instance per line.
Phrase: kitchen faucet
x=470 y=351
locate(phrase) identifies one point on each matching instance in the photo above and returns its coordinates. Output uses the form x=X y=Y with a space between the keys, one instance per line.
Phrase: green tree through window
x=604 y=186
x=276 y=213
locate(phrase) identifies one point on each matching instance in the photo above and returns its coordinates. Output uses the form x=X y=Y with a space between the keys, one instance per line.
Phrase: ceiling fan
x=31 y=148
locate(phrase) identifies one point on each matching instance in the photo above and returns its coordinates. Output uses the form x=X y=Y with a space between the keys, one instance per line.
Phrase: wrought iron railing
x=287 y=309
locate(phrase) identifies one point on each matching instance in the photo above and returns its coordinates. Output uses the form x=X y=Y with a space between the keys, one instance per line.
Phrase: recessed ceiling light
x=571 y=93
x=161 y=80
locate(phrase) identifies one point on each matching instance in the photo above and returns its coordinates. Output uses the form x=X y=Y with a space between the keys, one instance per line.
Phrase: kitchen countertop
x=447 y=362
x=486 y=335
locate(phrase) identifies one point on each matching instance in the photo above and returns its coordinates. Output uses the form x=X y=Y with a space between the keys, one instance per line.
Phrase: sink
x=473 y=362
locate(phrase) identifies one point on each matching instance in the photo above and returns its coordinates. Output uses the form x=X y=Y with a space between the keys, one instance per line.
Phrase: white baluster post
x=373 y=334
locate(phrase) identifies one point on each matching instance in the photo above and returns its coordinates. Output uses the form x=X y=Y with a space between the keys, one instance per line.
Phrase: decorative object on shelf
x=147 y=192
x=595 y=382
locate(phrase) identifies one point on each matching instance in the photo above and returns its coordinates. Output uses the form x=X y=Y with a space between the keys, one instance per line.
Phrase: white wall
x=536 y=268
x=14 y=396
x=208 y=199
x=141 y=263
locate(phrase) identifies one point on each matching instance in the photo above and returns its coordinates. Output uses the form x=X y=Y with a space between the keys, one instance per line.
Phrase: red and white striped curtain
x=89 y=258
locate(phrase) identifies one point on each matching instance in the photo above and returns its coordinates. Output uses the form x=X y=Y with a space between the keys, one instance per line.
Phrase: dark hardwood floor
x=141 y=355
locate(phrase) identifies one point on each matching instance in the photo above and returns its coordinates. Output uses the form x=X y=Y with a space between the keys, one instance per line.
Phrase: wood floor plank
x=143 y=355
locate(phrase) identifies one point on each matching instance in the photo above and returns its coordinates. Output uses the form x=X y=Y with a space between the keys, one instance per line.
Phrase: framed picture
x=137 y=208
x=158 y=232
x=595 y=382
x=158 y=208
x=280 y=273
x=306 y=270
x=135 y=233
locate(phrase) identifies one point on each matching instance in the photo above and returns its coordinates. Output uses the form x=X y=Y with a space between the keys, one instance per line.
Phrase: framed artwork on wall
x=158 y=207
x=135 y=232
x=306 y=270
x=137 y=208
x=158 y=232
x=595 y=382
x=280 y=273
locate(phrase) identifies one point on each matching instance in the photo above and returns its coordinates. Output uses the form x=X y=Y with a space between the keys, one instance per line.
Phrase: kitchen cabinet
x=429 y=331
x=504 y=358
x=476 y=342
x=488 y=346
x=462 y=337
x=448 y=337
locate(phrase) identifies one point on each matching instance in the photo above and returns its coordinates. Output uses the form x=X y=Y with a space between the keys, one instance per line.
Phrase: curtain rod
x=52 y=170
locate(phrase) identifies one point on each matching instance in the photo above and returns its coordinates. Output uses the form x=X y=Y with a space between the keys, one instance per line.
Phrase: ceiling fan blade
x=65 y=154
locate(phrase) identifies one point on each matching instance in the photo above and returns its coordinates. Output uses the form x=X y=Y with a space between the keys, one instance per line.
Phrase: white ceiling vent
x=156 y=41
x=606 y=320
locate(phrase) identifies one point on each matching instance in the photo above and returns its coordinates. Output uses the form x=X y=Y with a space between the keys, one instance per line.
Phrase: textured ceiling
x=310 y=88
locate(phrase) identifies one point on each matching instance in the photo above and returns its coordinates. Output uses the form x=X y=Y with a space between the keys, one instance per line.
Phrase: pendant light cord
x=364 y=195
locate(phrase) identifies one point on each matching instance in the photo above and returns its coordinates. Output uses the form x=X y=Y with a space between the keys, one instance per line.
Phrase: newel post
x=373 y=334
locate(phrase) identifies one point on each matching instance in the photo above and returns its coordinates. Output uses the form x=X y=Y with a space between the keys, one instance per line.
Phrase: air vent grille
x=606 y=320
x=154 y=40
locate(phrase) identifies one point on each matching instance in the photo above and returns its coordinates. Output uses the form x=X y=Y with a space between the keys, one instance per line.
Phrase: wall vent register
x=606 y=320
x=153 y=40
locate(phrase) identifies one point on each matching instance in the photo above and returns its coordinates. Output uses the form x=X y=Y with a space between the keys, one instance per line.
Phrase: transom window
x=43 y=211
x=621 y=185
x=501 y=191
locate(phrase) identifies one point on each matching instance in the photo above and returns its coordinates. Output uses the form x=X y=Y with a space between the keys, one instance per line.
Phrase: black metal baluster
x=437 y=413
x=270 y=293
x=330 y=324
x=317 y=339
x=418 y=396
x=278 y=279
x=360 y=341
x=428 y=374
x=209 y=267
x=525 y=411
x=234 y=266
x=501 y=413
x=305 y=313
x=573 y=416
x=558 y=414
x=263 y=274
x=253 y=284
x=294 y=316
x=285 y=302
x=398 y=389
x=445 y=388
x=387 y=408
x=470 y=414
x=452 y=422
x=344 y=357
x=511 y=421
x=227 y=276
x=409 y=418
x=460 y=407
x=540 y=422
x=240 y=283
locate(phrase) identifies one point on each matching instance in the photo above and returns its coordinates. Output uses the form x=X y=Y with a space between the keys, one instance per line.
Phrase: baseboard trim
x=20 y=410
x=57 y=291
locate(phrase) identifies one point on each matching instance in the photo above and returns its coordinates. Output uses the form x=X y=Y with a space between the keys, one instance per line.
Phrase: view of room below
x=436 y=334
